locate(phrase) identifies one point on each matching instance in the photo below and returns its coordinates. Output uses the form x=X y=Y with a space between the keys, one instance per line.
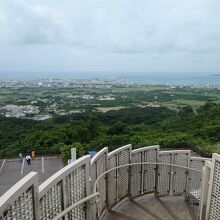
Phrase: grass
x=136 y=89
x=193 y=103
x=214 y=148
x=107 y=109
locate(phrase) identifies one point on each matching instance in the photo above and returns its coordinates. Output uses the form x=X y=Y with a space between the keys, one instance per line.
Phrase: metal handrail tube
x=70 y=208
x=7 y=200
x=96 y=194
x=141 y=163
x=61 y=174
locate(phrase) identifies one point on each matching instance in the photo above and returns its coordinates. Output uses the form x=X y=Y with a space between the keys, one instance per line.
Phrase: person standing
x=28 y=159
x=33 y=153
x=20 y=156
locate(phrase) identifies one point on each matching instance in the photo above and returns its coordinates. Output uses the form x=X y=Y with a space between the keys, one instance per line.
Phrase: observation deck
x=144 y=183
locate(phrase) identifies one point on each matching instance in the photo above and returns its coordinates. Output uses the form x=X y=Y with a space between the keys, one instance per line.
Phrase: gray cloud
x=152 y=28
x=117 y=25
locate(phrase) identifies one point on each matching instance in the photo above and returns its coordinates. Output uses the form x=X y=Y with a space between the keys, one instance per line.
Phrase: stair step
x=144 y=208
x=177 y=206
x=129 y=211
x=151 y=203
x=149 y=207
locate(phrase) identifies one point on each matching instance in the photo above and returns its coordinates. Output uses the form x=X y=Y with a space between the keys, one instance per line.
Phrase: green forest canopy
x=137 y=126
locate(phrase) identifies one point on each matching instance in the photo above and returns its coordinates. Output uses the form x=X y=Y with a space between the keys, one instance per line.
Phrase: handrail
x=140 y=163
x=59 y=175
x=13 y=194
x=95 y=193
x=67 y=210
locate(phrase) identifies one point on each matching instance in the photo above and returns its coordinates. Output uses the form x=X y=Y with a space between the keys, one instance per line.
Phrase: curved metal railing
x=191 y=192
x=20 y=202
x=75 y=205
x=65 y=188
x=143 y=163
x=96 y=194
x=86 y=188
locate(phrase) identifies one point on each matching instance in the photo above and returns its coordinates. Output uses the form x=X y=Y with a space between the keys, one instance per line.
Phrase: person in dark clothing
x=28 y=159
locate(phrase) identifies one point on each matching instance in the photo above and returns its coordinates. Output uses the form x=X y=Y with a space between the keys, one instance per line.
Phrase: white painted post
x=215 y=159
x=73 y=154
x=204 y=189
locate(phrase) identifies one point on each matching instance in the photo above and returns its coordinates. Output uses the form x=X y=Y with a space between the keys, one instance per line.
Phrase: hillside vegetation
x=199 y=131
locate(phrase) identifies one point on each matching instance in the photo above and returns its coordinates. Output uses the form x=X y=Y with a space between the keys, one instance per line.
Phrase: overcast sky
x=110 y=35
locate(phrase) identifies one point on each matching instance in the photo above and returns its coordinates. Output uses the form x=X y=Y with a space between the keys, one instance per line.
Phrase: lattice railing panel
x=136 y=180
x=213 y=210
x=123 y=173
x=52 y=202
x=195 y=179
x=205 y=185
x=77 y=191
x=118 y=180
x=22 y=208
x=112 y=181
x=143 y=176
x=98 y=166
x=180 y=177
x=149 y=181
x=164 y=174
x=19 y=201
x=72 y=184
x=65 y=188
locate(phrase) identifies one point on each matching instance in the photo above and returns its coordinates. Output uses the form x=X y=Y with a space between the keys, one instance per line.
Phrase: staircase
x=126 y=180
x=149 y=207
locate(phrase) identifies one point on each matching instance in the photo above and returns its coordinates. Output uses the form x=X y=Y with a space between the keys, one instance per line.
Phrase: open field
x=107 y=109
x=136 y=89
x=182 y=102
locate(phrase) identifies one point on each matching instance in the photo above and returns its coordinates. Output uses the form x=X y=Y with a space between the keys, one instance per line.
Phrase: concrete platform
x=12 y=170
x=149 y=207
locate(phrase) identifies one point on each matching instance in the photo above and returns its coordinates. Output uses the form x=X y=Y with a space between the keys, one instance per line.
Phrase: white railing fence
x=99 y=165
x=21 y=201
x=213 y=198
x=68 y=186
x=194 y=195
x=143 y=177
x=118 y=180
x=87 y=188
x=172 y=180
x=204 y=190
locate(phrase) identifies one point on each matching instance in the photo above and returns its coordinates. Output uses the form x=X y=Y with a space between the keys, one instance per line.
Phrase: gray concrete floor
x=12 y=170
x=150 y=208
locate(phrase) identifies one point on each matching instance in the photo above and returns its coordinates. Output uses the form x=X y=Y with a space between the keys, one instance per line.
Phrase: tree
x=117 y=128
x=66 y=151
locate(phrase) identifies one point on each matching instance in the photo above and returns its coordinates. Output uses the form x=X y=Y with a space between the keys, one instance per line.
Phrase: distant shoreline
x=211 y=78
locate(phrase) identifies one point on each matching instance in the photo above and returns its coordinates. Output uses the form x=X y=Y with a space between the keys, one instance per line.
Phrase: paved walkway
x=12 y=170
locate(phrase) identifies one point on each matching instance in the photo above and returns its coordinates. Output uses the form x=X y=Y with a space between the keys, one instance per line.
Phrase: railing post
x=187 y=175
x=142 y=173
x=156 y=174
x=65 y=196
x=129 y=178
x=213 y=189
x=171 y=174
x=204 y=190
x=36 y=201
x=88 y=188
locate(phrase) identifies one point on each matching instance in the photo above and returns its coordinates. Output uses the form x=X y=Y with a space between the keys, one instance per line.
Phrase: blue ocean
x=151 y=78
